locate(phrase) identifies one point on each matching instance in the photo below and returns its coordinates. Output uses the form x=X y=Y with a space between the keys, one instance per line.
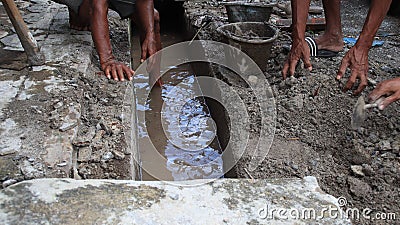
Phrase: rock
x=118 y=155
x=357 y=170
x=8 y=183
x=67 y=126
x=295 y=167
x=368 y=170
x=105 y=127
x=12 y=43
x=360 y=154
x=84 y=154
x=174 y=196
x=358 y=187
x=63 y=164
x=396 y=147
x=314 y=121
x=388 y=155
x=29 y=171
x=58 y=105
x=384 y=145
x=3 y=33
x=253 y=79
x=107 y=156
x=373 y=138
x=81 y=142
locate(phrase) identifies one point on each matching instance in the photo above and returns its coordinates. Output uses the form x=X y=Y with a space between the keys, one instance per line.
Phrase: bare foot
x=80 y=21
x=330 y=42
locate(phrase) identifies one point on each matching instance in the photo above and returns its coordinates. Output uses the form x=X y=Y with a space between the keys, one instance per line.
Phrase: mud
x=313 y=132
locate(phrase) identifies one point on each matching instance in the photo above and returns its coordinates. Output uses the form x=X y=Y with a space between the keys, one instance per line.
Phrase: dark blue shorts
x=125 y=8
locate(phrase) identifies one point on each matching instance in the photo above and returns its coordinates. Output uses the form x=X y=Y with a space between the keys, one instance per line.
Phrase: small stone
x=80 y=142
x=105 y=127
x=8 y=183
x=384 y=145
x=388 y=155
x=291 y=81
x=58 y=105
x=116 y=131
x=12 y=43
x=174 y=196
x=63 y=164
x=3 y=33
x=373 y=138
x=314 y=121
x=357 y=170
x=107 y=156
x=295 y=167
x=84 y=154
x=31 y=160
x=119 y=155
x=360 y=154
x=358 y=187
x=396 y=147
x=67 y=126
x=368 y=170
x=98 y=126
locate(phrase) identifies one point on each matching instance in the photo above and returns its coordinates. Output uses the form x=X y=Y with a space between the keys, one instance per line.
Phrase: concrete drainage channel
x=156 y=156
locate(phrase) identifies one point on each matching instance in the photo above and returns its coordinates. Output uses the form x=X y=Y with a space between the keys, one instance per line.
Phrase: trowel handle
x=375 y=104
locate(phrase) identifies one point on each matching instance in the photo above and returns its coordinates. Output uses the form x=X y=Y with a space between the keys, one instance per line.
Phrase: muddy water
x=183 y=143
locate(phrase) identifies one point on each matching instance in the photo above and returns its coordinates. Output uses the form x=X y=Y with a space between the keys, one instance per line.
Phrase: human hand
x=117 y=70
x=299 y=50
x=149 y=46
x=149 y=51
x=357 y=60
x=389 y=88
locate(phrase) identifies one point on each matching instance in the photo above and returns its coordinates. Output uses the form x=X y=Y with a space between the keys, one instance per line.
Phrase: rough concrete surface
x=224 y=201
x=60 y=119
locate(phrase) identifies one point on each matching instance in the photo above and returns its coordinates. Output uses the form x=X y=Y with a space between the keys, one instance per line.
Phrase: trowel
x=359 y=115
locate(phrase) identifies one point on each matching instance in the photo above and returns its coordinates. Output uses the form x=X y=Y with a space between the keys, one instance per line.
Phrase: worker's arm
x=101 y=37
x=144 y=18
x=300 y=49
x=357 y=57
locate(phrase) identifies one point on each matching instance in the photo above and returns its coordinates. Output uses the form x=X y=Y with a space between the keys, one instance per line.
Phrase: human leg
x=332 y=39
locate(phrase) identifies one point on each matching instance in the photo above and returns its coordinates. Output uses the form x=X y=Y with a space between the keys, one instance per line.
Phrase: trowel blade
x=358 y=117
